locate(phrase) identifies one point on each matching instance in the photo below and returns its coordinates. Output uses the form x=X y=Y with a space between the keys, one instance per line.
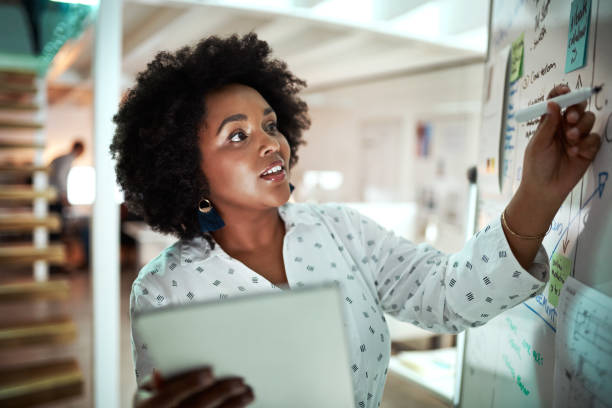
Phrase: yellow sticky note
x=516 y=59
x=560 y=269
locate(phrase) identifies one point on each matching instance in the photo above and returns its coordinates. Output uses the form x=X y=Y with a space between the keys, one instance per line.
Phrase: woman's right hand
x=198 y=388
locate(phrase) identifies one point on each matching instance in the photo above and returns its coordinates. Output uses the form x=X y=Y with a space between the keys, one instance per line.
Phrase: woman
x=204 y=145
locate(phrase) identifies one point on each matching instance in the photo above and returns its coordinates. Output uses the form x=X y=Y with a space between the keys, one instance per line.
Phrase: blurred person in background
x=76 y=250
x=58 y=175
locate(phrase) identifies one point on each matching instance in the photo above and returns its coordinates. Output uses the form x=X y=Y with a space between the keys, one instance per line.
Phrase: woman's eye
x=237 y=137
x=272 y=127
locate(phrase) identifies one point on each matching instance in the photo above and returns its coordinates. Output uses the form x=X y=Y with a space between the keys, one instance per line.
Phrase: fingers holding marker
x=581 y=128
x=575 y=112
x=549 y=123
x=557 y=91
x=587 y=148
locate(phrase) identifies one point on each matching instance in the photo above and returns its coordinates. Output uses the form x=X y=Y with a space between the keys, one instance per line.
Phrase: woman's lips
x=280 y=176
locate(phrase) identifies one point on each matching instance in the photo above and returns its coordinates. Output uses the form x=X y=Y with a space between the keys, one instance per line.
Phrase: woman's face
x=239 y=141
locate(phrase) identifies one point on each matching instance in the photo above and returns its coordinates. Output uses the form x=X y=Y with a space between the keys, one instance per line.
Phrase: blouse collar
x=198 y=249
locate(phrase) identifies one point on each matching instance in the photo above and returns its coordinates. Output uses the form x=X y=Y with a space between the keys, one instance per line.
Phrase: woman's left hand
x=561 y=150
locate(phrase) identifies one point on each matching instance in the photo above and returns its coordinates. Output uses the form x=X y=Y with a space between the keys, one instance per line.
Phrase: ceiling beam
x=150 y=34
x=280 y=29
x=171 y=30
x=434 y=65
x=388 y=9
x=70 y=52
x=306 y=3
x=328 y=49
x=316 y=19
x=373 y=63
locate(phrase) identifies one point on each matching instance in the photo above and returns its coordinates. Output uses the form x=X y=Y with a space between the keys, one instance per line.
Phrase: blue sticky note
x=578 y=35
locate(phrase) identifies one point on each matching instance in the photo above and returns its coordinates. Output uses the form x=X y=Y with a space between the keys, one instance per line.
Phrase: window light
x=81 y=185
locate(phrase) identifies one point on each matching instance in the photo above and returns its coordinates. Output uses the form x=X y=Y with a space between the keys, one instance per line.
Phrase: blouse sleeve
x=140 y=300
x=444 y=292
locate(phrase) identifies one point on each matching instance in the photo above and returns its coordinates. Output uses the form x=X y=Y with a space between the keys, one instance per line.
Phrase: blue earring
x=208 y=217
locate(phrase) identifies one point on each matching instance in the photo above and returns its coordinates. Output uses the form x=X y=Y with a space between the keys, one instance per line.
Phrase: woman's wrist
x=527 y=215
x=541 y=193
x=531 y=211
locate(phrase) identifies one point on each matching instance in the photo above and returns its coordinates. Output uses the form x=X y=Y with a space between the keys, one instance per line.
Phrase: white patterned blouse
x=376 y=270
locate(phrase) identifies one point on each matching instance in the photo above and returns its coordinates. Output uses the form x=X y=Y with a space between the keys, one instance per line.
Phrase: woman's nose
x=269 y=144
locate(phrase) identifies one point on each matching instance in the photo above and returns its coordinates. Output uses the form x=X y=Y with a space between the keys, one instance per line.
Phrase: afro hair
x=156 y=147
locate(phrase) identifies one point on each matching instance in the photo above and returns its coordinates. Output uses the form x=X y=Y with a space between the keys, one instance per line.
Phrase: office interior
x=395 y=93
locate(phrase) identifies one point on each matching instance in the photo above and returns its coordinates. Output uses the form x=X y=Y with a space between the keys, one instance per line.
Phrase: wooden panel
x=17 y=76
x=19 y=124
x=17 y=88
x=22 y=169
x=25 y=193
x=12 y=223
x=21 y=145
x=40 y=383
x=26 y=254
x=49 y=332
x=18 y=106
x=28 y=291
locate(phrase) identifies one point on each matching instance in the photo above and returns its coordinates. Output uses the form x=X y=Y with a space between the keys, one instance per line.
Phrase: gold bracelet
x=505 y=223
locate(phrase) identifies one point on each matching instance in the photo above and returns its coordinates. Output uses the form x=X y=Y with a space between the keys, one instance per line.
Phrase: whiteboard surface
x=509 y=362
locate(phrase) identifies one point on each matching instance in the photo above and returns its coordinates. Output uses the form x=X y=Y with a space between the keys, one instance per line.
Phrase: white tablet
x=290 y=346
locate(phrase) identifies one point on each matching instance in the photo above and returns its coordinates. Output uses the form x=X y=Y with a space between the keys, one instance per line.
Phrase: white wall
x=449 y=99
x=67 y=122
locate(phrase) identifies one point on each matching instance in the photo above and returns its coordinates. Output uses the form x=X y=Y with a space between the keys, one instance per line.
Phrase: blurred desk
x=150 y=243
x=432 y=369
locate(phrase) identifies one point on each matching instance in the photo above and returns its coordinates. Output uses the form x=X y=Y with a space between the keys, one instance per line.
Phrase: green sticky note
x=516 y=59
x=578 y=35
x=560 y=268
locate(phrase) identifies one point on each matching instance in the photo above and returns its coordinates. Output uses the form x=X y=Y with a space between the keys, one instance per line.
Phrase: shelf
x=18 y=106
x=27 y=254
x=36 y=384
x=28 y=291
x=12 y=222
x=17 y=88
x=17 y=74
x=49 y=332
x=21 y=169
x=26 y=193
x=19 y=124
x=5 y=145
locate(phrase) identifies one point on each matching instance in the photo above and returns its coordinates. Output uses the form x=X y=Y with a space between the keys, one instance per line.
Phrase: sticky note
x=516 y=59
x=578 y=35
x=560 y=268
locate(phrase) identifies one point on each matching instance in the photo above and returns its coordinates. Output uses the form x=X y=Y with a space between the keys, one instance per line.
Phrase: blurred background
x=394 y=89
